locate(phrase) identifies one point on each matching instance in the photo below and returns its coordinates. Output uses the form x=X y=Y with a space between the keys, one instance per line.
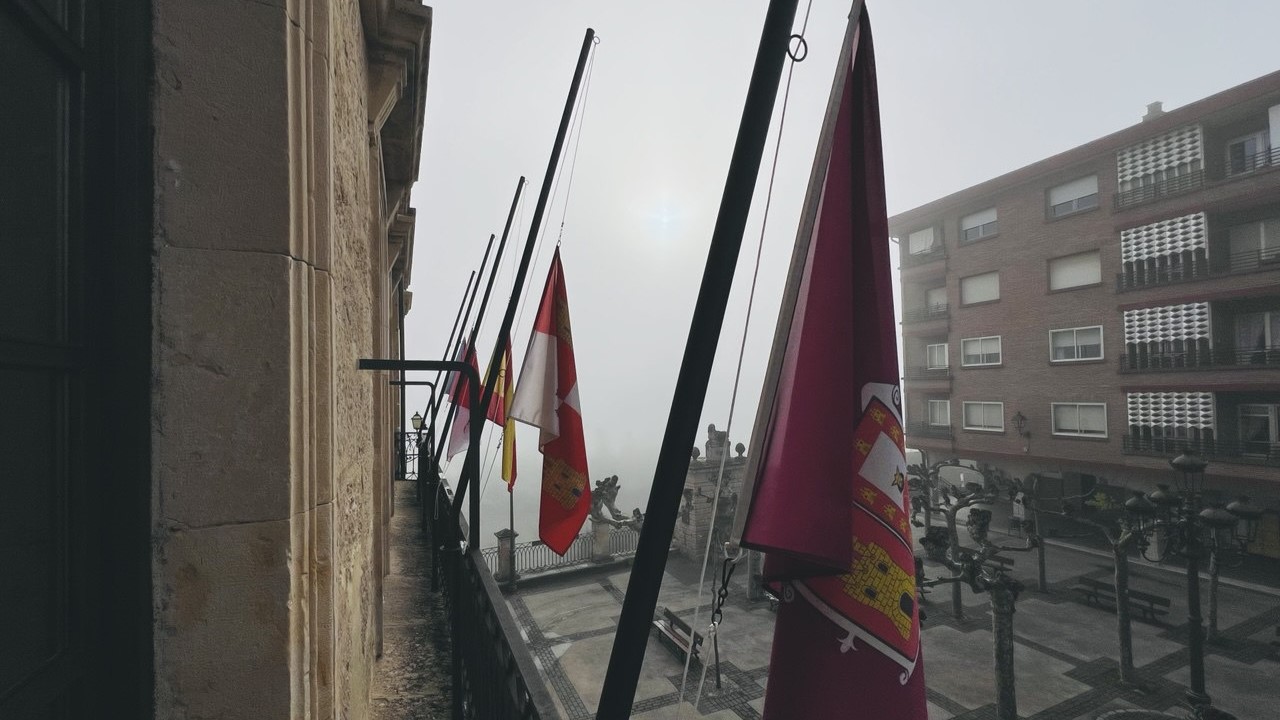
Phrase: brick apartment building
x=1086 y=316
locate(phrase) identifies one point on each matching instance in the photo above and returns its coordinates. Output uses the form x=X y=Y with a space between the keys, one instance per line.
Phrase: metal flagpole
x=691 y=386
x=466 y=318
x=509 y=317
x=795 y=276
x=457 y=320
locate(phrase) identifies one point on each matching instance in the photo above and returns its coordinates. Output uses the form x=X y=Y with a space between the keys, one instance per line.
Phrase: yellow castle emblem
x=878 y=582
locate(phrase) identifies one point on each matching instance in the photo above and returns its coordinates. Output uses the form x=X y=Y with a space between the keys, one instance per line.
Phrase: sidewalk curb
x=1240 y=584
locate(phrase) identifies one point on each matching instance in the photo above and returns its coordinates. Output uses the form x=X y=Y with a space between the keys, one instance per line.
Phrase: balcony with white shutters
x=1241 y=334
x=1199 y=246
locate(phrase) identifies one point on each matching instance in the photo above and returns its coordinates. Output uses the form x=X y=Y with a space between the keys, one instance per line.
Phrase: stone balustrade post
x=602 y=533
x=506 y=555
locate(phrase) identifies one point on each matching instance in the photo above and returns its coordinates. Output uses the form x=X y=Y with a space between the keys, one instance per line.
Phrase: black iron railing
x=494 y=675
x=1239 y=164
x=919 y=372
x=937 y=252
x=1199 y=359
x=1245 y=453
x=1185 y=267
x=919 y=429
x=924 y=314
x=1166 y=187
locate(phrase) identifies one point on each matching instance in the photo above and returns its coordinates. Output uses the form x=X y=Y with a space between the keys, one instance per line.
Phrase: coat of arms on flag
x=875 y=602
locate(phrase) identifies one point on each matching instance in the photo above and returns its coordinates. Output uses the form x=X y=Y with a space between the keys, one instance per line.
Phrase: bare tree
x=1121 y=537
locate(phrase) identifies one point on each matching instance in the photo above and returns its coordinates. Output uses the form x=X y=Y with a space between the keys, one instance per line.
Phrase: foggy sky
x=968 y=91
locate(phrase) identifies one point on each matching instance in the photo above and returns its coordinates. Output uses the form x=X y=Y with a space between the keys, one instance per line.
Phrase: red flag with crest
x=830 y=502
x=547 y=397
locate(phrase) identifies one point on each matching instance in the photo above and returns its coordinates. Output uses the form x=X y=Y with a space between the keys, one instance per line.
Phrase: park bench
x=677 y=635
x=1099 y=591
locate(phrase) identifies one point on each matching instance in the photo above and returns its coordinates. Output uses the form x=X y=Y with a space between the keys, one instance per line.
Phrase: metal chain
x=726 y=572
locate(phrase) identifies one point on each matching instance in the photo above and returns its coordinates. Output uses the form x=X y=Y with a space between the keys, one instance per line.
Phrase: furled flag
x=460 y=391
x=500 y=413
x=827 y=471
x=547 y=397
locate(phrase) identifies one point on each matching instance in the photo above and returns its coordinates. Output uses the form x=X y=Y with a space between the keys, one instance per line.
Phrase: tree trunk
x=1042 y=581
x=1213 y=597
x=1120 y=555
x=1002 y=602
x=953 y=537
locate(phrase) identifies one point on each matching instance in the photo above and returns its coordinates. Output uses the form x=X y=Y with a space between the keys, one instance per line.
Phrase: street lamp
x=1175 y=516
x=1020 y=425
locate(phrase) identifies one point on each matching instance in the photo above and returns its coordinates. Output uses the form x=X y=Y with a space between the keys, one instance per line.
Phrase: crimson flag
x=547 y=397
x=830 y=502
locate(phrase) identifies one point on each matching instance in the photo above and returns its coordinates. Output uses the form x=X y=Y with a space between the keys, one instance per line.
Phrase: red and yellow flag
x=547 y=398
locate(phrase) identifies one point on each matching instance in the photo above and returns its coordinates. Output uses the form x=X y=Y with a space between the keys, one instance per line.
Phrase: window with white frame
x=1076 y=270
x=980 y=288
x=984 y=416
x=1256 y=240
x=978 y=225
x=936 y=356
x=1069 y=344
x=935 y=299
x=1248 y=152
x=939 y=412
x=1079 y=194
x=920 y=241
x=980 y=351
x=1259 y=428
x=1080 y=419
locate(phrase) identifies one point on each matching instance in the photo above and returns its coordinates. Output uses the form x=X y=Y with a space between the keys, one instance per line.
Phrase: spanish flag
x=500 y=413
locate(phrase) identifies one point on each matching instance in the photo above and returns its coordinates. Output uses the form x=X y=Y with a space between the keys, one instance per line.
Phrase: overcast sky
x=968 y=91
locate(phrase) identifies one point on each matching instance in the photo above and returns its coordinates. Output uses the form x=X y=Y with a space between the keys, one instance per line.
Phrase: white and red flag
x=460 y=392
x=547 y=397
x=829 y=500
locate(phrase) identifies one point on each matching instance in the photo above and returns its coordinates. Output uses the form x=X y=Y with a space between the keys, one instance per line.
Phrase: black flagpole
x=457 y=320
x=509 y=318
x=471 y=342
x=466 y=318
x=632 y=636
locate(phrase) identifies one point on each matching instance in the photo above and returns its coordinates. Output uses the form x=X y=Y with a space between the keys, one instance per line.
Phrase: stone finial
x=740 y=449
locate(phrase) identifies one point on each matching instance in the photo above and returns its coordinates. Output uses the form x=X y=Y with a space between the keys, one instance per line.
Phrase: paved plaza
x=1066 y=651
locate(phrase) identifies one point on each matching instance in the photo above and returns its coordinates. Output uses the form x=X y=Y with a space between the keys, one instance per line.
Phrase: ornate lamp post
x=1174 y=518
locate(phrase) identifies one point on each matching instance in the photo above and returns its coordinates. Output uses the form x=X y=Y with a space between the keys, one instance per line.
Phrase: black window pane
x=32 y=554
x=32 y=188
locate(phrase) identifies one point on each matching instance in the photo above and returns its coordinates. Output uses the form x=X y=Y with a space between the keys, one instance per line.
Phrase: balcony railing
x=1166 y=187
x=1238 y=165
x=1199 y=359
x=937 y=252
x=532 y=558
x=1245 y=453
x=925 y=314
x=1185 y=267
x=919 y=429
x=919 y=372
x=494 y=674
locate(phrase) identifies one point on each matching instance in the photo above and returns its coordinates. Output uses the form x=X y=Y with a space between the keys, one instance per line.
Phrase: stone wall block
x=222 y=125
x=222 y=622
x=222 y=374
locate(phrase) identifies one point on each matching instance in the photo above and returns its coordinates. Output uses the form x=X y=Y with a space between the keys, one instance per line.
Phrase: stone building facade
x=697 y=519
x=228 y=191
